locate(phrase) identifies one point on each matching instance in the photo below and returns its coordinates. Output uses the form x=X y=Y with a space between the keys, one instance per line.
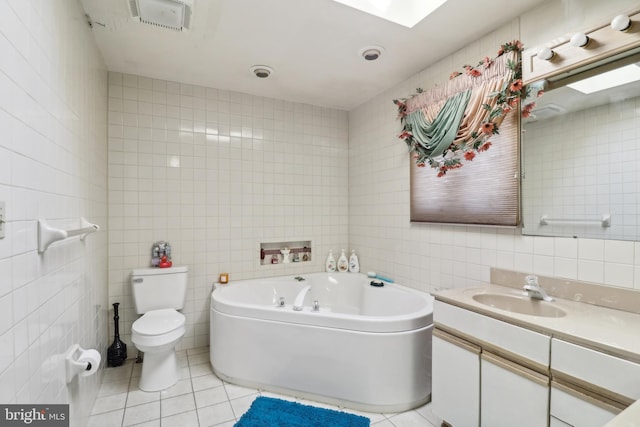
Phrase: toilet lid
x=158 y=322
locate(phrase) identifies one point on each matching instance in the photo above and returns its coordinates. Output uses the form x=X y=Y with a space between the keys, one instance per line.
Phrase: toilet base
x=159 y=370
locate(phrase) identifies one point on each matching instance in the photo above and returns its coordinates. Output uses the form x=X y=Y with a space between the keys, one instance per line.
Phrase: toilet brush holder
x=117 y=352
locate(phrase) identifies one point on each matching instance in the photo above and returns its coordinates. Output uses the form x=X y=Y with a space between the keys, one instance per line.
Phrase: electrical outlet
x=2 y=219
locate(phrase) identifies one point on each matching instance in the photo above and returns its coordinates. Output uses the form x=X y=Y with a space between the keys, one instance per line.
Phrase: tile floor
x=199 y=399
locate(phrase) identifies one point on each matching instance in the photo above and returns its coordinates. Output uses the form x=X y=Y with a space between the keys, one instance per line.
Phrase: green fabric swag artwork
x=439 y=134
x=452 y=123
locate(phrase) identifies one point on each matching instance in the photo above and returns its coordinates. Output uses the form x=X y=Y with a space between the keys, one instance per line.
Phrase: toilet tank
x=157 y=288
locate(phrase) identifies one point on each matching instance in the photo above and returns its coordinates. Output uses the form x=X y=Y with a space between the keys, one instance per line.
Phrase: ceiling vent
x=171 y=14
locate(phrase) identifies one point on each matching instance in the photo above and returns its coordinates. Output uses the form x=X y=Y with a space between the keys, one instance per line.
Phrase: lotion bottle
x=354 y=265
x=343 y=263
x=330 y=265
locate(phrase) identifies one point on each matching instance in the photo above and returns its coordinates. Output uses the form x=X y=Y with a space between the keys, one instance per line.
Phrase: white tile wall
x=430 y=256
x=53 y=165
x=215 y=173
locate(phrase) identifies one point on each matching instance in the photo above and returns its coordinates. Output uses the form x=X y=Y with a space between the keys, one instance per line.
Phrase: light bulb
x=579 y=40
x=546 y=53
x=621 y=23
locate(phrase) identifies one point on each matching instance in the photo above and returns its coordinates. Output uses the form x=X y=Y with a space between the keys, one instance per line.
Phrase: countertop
x=611 y=331
x=615 y=332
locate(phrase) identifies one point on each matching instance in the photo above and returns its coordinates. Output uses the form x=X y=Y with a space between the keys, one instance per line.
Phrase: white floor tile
x=141 y=413
x=108 y=419
x=201 y=399
x=200 y=369
x=236 y=391
x=215 y=414
x=185 y=419
x=176 y=405
x=109 y=403
x=409 y=419
x=199 y=358
x=139 y=397
x=181 y=387
x=109 y=388
x=384 y=423
x=205 y=381
x=242 y=404
x=210 y=396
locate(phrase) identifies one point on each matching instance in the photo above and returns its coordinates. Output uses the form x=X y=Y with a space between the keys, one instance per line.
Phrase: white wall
x=429 y=256
x=53 y=158
x=251 y=170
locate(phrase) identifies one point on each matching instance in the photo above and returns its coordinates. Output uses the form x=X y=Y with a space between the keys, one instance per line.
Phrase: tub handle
x=281 y=302
x=316 y=305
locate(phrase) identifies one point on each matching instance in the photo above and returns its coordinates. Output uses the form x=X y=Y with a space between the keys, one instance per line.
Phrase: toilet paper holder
x=79 y=361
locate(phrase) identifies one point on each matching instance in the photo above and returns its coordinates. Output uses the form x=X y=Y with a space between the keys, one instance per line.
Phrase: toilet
x=157 y=294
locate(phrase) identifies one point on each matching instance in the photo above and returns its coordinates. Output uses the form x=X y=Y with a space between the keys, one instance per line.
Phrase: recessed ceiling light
x=261 y=71
x=405 y=12
x=613 y=78
x=371 y=53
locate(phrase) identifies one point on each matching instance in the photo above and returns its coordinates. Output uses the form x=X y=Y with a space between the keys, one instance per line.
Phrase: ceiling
x=312 y=45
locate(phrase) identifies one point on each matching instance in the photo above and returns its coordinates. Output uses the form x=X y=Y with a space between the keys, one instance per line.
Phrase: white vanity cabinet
x=456 y=379
x=512 y=395
x=594 y=386
x=487 y=372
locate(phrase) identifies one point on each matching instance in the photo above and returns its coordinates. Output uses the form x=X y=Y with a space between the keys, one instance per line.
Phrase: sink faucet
x=299 y=301
x=533 y=289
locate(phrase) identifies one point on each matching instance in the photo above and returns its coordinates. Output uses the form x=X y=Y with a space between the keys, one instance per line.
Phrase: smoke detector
x=261 y=71
x=170 y=14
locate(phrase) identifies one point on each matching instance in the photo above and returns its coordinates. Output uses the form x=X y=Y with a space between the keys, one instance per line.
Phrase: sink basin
x=521 y=305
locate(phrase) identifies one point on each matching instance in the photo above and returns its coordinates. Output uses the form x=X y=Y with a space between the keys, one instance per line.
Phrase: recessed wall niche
x=285 y=252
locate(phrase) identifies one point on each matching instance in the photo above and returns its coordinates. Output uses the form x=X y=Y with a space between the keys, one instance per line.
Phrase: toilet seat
x=158 y=322
x=158 y=330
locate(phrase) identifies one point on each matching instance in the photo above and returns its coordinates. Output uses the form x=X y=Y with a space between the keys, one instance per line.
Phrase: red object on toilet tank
x=164 y=263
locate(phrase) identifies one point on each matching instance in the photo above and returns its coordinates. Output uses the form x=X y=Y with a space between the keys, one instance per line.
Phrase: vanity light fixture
x=546 y=53
x=621 y=23
x=580 y=40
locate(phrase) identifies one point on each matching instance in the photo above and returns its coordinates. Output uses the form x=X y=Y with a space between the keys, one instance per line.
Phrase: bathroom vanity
x=501 y=358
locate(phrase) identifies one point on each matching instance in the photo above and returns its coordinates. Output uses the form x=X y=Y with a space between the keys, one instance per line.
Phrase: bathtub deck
x=200 y=399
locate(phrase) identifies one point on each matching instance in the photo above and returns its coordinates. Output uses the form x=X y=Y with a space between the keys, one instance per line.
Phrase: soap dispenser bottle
x=343 y=263
x=330 y=265
x=354 y=265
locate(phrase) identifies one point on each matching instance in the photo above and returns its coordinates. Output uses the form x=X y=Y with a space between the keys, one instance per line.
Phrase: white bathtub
x=366 y=348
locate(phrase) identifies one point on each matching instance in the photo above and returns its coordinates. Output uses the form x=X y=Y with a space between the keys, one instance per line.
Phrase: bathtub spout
x=299 y=301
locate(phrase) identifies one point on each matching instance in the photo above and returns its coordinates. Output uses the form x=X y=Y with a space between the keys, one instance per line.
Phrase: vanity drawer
x=588 y=368
x=495 y=334
x=579 y=408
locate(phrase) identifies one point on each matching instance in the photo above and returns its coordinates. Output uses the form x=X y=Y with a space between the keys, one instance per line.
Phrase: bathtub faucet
x=299 y=301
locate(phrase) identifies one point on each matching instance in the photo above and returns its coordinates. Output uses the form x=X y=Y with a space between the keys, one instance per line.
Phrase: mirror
x=581 y=156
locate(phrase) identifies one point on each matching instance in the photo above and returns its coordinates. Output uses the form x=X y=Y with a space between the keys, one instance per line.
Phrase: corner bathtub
x=366 y=348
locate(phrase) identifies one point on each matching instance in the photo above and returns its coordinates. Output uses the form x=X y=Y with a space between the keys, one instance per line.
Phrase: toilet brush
x=117 y=352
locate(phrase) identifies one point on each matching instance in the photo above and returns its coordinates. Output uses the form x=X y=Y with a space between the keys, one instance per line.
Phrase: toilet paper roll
x=92 y=357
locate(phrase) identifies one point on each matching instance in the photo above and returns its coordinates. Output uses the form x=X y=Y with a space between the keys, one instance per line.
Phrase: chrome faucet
x=534 y=290
x=298 y=303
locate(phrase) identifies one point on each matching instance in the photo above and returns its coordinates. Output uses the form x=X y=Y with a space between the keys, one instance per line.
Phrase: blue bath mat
x=270 y=412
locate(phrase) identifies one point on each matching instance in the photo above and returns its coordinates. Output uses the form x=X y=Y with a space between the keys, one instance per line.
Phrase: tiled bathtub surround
x=215 y=173
x=53 y=165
